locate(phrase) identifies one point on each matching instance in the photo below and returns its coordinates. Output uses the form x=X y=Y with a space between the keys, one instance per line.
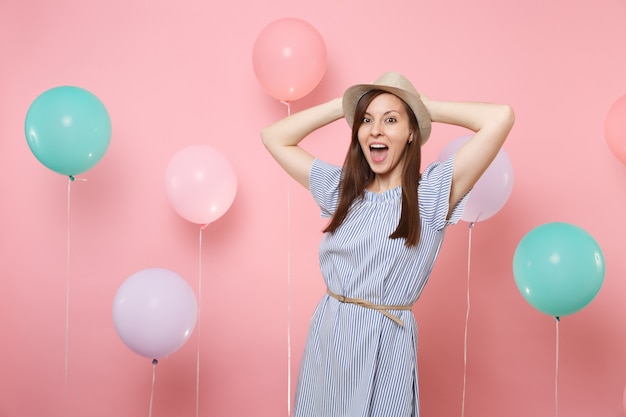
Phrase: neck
x=382 y=183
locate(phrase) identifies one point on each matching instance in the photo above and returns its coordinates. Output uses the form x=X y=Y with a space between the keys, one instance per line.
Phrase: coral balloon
x=492 y=190
x=558 y=268
x=200 y=183
x=615 y=129
x=68 y=129
x=154 y=312
x=289 y=58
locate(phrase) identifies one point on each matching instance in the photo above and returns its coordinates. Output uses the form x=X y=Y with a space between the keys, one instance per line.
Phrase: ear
x=411 y=137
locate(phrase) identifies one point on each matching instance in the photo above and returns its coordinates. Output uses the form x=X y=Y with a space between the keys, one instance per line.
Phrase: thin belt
x=379 y=307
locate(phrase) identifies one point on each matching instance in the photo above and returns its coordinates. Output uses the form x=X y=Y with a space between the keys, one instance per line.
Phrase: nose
x=376 y=129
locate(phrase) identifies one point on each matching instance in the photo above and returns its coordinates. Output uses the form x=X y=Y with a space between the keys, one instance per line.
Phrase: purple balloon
x=492 y=190
x=155 y=312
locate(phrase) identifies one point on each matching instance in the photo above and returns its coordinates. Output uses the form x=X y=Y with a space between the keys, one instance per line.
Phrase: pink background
x=174 y=74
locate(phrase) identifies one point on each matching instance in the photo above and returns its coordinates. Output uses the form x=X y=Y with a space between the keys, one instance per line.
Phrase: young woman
x=387 y=223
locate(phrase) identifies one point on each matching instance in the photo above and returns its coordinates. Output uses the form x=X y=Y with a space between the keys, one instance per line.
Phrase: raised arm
x=282 y=137
x=491 y=124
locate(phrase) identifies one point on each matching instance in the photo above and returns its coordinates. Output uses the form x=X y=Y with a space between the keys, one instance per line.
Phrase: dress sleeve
x=324 y=186
x=434 y=195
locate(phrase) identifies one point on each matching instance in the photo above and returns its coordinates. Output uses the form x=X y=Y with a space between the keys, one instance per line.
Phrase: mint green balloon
x=68 y=129
x=559 y=268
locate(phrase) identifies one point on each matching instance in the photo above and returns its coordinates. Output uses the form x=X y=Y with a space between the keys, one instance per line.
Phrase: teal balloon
x=68 y=129
x=558 y=268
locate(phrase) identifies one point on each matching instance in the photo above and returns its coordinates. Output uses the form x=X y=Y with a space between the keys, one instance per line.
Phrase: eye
x=391 y=120
x=366 y=120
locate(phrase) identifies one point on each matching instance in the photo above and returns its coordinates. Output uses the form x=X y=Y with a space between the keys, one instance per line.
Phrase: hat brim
x=353 y=94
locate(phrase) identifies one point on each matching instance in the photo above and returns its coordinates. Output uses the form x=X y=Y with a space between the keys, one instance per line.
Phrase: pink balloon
x=491 y=191
x=615 y=129
x=154 y=312
x=289 y=58
x=200 y=183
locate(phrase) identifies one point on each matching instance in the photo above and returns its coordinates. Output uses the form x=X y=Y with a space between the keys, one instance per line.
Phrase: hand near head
x=282 y=137
x=491 y=124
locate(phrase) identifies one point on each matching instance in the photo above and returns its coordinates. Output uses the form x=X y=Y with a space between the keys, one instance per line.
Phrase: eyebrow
x=384 y=114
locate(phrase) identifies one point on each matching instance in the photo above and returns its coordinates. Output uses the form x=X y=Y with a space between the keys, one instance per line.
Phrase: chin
x=378 y=170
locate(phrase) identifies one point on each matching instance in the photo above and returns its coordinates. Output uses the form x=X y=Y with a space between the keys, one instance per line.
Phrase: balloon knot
x=72 y=178
x=155 y=362
x=558 y=318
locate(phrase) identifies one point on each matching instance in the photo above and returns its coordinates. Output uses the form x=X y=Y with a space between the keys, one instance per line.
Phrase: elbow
x=507 y=116
x=265 y=135
x=502 y=120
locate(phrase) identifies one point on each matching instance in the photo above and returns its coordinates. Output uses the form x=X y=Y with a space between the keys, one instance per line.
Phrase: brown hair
x=357 y=175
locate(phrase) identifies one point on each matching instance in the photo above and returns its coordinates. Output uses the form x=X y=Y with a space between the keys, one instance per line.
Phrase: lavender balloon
x=155 y=312
x=492 y=190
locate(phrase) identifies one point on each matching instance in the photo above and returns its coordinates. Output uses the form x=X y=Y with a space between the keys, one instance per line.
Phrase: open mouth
x=378 y=152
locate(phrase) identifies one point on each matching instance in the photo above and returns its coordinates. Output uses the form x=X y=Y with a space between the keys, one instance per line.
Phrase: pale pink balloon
x=289 y=58
x=200 y=183
x=154 y=312
x=615 y=129
x=492 y=190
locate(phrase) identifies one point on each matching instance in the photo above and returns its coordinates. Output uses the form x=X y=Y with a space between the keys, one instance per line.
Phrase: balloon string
x=67 y=295
x=288 y=283
x=556 y=373
x=198 y=324
x=467 y=311
x=288 y=104
x=154 y=364
x=288 y=299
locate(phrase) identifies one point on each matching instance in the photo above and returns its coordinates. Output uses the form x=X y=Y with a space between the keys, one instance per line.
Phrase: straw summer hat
x=395 y=83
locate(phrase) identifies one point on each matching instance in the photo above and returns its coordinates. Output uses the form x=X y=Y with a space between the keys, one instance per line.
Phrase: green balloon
x=558 y=268
x=68 y=129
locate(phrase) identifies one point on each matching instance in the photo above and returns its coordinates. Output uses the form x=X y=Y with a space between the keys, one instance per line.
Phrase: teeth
x=377 y=146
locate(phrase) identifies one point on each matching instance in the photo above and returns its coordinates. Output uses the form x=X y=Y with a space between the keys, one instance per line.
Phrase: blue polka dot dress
x=357 y=362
